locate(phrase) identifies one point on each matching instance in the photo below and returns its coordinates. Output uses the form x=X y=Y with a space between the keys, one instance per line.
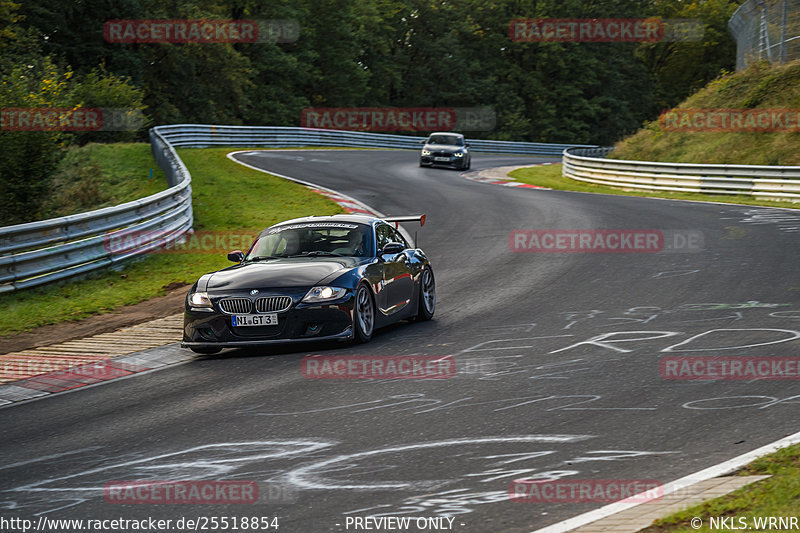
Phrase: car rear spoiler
x=408 y=218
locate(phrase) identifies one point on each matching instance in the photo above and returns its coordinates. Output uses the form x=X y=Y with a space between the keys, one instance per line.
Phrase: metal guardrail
x=770 y=182
x=40 y=252
x=203 y=135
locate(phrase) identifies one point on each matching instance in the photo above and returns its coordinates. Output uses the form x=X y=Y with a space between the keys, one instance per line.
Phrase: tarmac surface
x=560 y=355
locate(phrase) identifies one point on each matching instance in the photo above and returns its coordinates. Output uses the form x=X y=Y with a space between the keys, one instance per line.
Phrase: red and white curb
x=350 y=204
x=83 y=362
x=93 y=373
x=499 y=176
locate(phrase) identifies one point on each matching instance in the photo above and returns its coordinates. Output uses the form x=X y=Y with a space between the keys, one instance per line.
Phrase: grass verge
x=101 y=175
x=777 y=496
x=228 y=200
x=761 y=86
x=550 y=176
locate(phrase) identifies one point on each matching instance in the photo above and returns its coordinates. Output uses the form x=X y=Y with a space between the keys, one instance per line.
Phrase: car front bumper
x=451 y=162
x=343 y=336
x=301 y=323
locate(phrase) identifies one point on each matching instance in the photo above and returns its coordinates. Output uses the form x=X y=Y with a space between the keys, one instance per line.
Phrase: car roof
x=446 y=133
x=346 y=217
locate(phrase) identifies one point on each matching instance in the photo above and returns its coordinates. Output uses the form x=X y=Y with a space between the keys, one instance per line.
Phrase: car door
x=398 y=283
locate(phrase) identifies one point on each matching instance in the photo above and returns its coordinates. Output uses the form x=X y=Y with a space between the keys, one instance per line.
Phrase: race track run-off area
x=560 y=355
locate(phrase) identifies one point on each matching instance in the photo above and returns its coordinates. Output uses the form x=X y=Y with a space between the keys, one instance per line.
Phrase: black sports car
x=312 y=279
x=448 y=149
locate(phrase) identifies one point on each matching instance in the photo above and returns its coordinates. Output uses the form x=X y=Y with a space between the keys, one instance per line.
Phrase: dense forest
x=360 y=53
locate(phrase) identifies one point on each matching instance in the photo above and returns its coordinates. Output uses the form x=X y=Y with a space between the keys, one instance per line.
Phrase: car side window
x=397 y=237
x=384 y=235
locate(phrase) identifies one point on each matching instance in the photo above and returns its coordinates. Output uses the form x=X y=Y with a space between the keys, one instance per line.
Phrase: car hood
x=444 y=148
x=280 y=273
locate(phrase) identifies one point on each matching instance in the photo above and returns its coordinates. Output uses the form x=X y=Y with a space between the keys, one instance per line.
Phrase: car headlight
x=459 y=154
x=200 y=299
x=426 y=152
x=323 y=294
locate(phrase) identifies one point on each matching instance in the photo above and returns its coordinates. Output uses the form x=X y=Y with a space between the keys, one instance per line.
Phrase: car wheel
x=205 y=350
x=469 y=163
x=427 y=295
x=363 y=315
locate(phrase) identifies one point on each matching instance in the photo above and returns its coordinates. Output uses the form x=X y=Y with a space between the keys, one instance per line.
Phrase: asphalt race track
x=532 y=399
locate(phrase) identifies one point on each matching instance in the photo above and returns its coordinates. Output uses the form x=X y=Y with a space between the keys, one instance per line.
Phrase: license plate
x=255 y=320
x=441 y=159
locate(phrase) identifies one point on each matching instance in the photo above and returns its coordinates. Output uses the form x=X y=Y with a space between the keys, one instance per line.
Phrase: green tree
x=31 y=79
x=29 y=157
x=680 y=68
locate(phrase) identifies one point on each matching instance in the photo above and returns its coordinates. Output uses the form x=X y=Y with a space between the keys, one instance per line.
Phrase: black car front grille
x=442 y=154
x=235 y=305
x=273 y=304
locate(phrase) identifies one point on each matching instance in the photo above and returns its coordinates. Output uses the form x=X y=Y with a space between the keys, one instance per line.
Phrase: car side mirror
x=236 y=256
x=393 y=248
x=466 y=144
x=423 y=141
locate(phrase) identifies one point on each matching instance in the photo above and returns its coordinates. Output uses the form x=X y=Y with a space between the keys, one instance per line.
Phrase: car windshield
x=332 y=239
x=452 y=140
